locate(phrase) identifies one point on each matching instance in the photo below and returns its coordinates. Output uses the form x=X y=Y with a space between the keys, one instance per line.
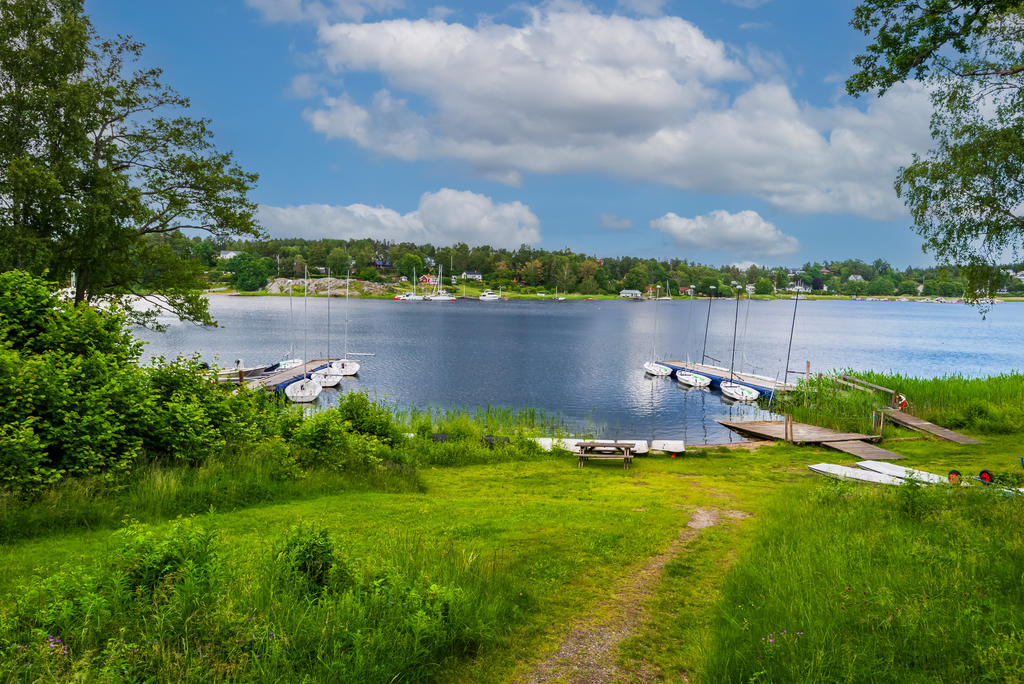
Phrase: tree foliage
x=965 y=195
x=99 y=164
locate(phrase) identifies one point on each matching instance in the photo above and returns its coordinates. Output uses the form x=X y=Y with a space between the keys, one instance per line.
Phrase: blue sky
x=715 y=131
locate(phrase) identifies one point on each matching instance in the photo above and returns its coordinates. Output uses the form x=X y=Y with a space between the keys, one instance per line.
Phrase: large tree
x=99 y=165
x=966 y=195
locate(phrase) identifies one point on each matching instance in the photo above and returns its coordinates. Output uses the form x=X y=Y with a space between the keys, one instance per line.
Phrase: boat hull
x=653 y=368
x=738 y=392
x=303 y=391
x=692 y=379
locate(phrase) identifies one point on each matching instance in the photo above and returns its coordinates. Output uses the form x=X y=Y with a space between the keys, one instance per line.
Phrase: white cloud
x=305 y=86
x=749 y=4
x=440 y=12
x=443 y=217
x=744 y=234
x=321 y=10
x=615 y=222
x=650 y=99
x=649 y=8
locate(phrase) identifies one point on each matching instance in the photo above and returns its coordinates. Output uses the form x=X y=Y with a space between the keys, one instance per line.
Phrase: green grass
x=845 y=583
x=471 y=573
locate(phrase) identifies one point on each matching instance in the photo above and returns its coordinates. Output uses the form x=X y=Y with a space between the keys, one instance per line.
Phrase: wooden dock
x=849 y=442
x=863 y=450
x=915 y=423
x=277 y=381
x=717 y=374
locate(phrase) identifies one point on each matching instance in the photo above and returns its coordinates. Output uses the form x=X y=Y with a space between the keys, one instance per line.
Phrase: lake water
x=583 y=360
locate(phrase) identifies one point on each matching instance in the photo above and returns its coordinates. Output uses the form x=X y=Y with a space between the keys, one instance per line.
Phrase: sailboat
x=305 y=390
x=326 y=377
x=683 y=377
x=731 y=389
x=440 y=294
x=668 y=292
x=290 y=362
x=345 y=365
x=653 y=367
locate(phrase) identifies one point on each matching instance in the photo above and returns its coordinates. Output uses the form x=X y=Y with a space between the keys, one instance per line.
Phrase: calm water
x=584 y=360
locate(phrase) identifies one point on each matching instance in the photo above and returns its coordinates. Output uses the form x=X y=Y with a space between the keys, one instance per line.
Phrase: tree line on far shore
x=529 y=269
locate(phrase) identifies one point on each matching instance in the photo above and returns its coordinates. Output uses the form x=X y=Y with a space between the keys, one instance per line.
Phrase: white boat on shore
x=489 y=296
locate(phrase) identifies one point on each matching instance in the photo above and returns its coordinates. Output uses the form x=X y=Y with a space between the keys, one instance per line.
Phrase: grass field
x=483 y=572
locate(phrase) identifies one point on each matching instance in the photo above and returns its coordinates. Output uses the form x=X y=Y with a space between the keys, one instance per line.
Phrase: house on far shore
x=630 y=294
x=228 y=254
x=472 y=275
x=428 y=279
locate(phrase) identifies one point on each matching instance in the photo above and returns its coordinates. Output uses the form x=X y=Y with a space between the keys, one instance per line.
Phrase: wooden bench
x=604 y=451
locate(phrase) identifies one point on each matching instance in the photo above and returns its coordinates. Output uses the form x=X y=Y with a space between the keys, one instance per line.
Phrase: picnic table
x=605 y=450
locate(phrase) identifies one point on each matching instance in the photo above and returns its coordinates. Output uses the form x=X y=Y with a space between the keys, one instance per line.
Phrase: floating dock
x=915 y=423
x=278 y=380
x=767 y=386
x=852 y=443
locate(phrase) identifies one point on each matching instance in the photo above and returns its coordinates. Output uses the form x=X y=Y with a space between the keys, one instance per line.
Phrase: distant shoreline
x=606 y=298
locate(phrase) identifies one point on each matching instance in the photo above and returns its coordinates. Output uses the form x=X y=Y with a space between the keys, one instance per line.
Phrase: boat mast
x=348 y=284
x=328 y=313
x=305 y=324
x=789 y=350
x=654 y=338
x=704 y=351
x=735 y=323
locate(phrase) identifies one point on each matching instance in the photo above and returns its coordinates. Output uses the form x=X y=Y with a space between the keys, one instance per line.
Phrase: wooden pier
x=278 y=380
x=915 y=423
x=800 y=433
x=863 y=450
x=718 y=374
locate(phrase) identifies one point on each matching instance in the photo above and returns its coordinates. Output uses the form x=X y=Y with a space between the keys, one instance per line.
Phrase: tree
x=965 y=195
x=763 y=286
x=249 y=272
x=339 y=261
x=636 y=279
x=907 y=287
x=410 y=266
x=98 y=164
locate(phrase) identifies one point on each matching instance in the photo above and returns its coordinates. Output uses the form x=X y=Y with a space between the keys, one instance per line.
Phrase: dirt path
x=590 y=650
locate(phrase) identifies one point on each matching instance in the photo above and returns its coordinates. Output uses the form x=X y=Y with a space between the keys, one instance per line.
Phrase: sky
x=716 y=131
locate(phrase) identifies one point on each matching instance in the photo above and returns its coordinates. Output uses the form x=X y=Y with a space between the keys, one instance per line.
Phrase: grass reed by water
x=986 y=405
x=852 y=583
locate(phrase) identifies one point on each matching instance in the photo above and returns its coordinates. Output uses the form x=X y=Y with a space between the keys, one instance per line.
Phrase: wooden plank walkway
x=852 y=443
x=273 y=380
x=915 y=423
x=863 y=450
x=802 y=432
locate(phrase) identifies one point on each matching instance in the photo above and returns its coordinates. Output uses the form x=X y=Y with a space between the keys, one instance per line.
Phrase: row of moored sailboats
x=308 y=388
x=729 y=388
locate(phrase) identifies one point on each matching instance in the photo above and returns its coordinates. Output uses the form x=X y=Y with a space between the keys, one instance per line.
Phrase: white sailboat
x=325 y=377
x=731 y=389
x=692 y=379
x=687 y=378
x=290 y=362
x=440 y=294
x=305 y=390
x=345 y=366
x=652 y=367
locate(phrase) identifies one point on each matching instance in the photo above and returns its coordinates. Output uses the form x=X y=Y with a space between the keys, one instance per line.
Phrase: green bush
x=306 y=555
